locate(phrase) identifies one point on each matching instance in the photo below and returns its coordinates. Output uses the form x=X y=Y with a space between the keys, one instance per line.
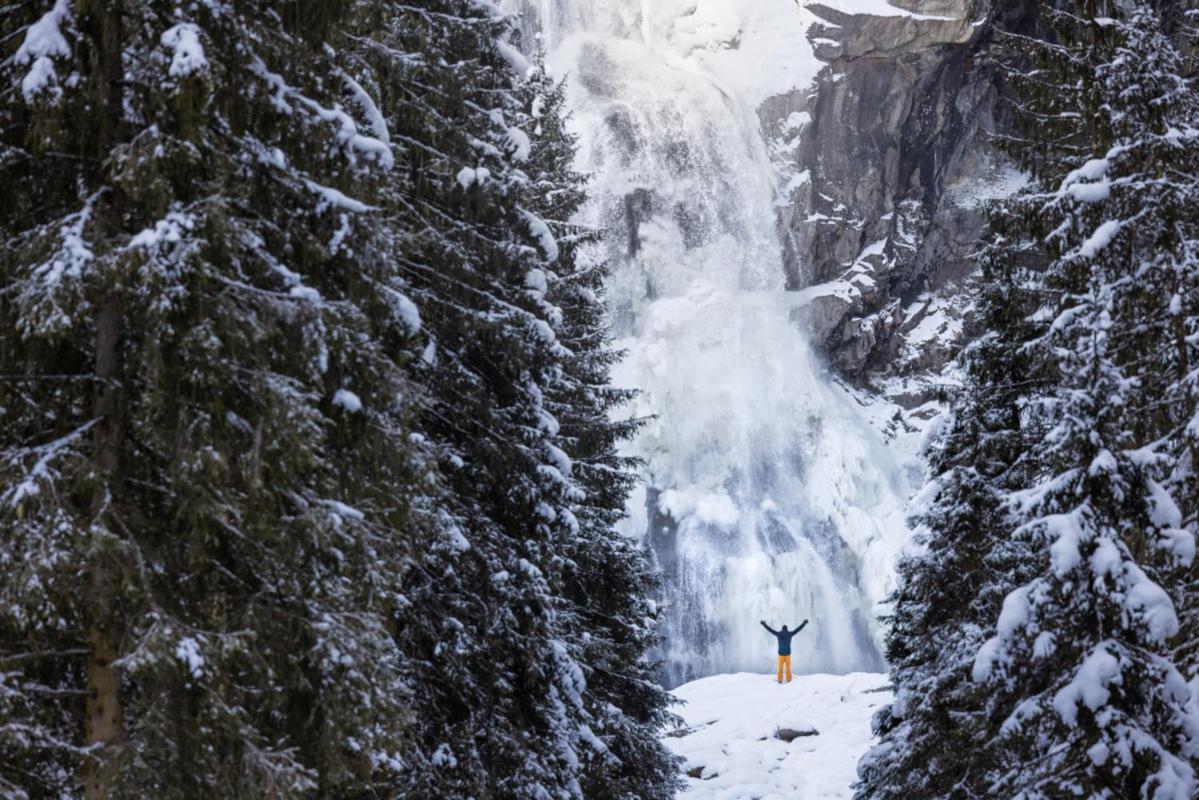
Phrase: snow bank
x=731 y=747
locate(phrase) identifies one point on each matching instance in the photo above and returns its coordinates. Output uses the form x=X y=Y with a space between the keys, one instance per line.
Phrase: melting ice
x=767 y=495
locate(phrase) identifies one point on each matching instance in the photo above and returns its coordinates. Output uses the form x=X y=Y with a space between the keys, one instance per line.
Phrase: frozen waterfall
x=767 y=495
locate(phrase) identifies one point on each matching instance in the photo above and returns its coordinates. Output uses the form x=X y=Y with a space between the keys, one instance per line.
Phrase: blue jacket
x=784 y=637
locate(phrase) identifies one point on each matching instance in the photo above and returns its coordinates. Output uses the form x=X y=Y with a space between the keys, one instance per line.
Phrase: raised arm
x=767 y=627
x=801 y=626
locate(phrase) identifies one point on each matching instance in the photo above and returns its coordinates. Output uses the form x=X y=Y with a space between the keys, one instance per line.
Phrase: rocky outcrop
x=886 y=163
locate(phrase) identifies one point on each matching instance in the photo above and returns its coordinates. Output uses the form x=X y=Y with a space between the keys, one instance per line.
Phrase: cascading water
x=767 y=496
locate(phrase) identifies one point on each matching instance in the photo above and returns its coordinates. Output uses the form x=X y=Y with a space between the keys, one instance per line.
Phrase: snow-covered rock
x=732 y=745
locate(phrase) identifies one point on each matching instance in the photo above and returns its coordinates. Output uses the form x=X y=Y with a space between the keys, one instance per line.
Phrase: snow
x=536 y=282
x=1100 y=239
x=344 y=398
x=340 y=509
x=188 y=54
x=1089 y=685
x=29 y=485
x=43 y=42
x=516 y=59
x=40 y=77
x=374 y=117
x=168 y=230
x=1165 y=511
x=1012 y=618
x=355 y=142
x=404 y=309
x=75 y=252
x=1150 y=604
x=1014 y=614
x=1063 y=553
x=444 y=756
x=712 y=508
x=843 y=290
x=187 y=650
x=1092 y=170
x=732 y=722
x=984 y=660
x=542 y=233
x=522 y=146
x=877 y=8
x=939 y=324
x=333 y=198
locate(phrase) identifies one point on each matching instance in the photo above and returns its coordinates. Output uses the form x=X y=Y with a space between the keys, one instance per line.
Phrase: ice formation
x=767 y=494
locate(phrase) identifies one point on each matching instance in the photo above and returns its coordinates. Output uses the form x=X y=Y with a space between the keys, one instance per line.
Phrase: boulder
x=791 y=734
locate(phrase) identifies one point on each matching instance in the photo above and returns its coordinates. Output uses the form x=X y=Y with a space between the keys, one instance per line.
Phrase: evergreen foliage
x=611 y=627
x=1082 y=523
x=937 y=624
x=1080 y=669
x=309 y=484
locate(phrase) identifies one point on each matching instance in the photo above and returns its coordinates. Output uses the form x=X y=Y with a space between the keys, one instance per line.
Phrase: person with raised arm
x=784 y=639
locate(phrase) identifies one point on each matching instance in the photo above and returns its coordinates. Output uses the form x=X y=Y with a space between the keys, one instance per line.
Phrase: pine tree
x=611 y=629
x=936 y=624
x=512 y=584
x=1083 y=693
x=1085 y=369
x=309 y=481
x=206 y=411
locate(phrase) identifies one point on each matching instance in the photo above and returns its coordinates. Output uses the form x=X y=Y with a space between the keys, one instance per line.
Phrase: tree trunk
x=103 y=711
x=102 y=724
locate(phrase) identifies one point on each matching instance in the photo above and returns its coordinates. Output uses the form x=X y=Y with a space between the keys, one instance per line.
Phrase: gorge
x=783 y=189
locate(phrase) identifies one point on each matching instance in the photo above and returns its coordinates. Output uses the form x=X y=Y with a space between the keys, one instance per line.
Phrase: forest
x=316 y=471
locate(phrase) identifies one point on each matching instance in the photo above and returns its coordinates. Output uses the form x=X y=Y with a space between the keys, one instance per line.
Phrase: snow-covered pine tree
x=1083 y=694
x=933 y=737
x=937 y=739
x=204 y=412
x=607 y=578
x=1155 y=167
x=499 y=623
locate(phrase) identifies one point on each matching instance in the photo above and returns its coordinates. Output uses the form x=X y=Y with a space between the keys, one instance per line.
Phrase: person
x=784 y=637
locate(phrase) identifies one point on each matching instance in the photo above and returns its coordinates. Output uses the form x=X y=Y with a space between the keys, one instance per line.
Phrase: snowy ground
x=732 y=737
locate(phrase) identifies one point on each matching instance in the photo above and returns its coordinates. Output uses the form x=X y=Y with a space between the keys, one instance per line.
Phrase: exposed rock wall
x=886 y=163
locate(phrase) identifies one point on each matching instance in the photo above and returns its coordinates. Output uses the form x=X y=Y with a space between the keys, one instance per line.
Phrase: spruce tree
x=1080 y=667
x=611 y=629
x=206 y=414
x=1076 y=695
x=963 y=567
x=529 y=612
x=309 y=480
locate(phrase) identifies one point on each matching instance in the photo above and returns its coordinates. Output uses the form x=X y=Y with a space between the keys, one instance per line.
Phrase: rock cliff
x=886 y=162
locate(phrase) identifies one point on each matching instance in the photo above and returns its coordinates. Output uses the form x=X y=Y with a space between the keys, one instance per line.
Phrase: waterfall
x=767 y=495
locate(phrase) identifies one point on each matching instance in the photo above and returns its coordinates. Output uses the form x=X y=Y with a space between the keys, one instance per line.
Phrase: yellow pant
x=784 y=661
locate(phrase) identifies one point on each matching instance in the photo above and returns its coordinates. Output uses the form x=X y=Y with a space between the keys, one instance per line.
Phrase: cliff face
x=886 y=162
x=882 y=153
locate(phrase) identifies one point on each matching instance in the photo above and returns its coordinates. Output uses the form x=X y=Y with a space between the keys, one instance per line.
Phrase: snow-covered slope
x=732 y=743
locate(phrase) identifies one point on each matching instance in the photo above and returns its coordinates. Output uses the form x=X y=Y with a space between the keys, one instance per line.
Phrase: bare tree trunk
x=103 y=712
x=103 y=723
